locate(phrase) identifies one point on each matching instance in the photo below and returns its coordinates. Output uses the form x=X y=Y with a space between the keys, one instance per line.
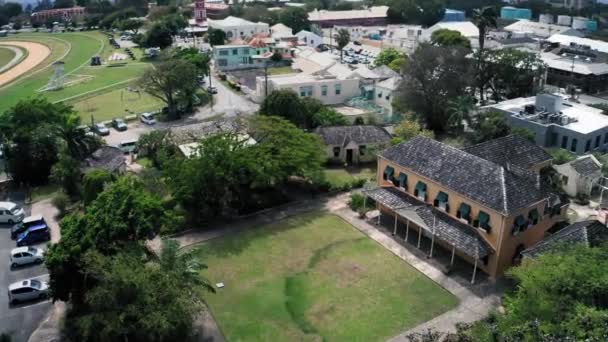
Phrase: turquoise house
x=241 y=56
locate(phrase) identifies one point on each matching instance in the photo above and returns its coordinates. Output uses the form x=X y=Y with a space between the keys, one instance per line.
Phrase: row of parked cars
x=26 y=231
x=120 y=125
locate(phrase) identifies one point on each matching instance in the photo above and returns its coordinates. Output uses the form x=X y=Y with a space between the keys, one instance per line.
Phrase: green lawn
x=340 y=177
x=6 y=55
x=115 y=103
x=82 y=82
x=315 y=278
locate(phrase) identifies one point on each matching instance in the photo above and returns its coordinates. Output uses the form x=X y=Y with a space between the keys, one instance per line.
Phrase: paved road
x=20 y=320
x=226 y=103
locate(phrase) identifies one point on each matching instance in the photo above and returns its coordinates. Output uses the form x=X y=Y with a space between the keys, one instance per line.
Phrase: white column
x=395 y=229
x=453 y=252
x=432 y=239
x=474 y=271
x=407 y=230
x=379 y=216
x=364 y=202
x=419 y=235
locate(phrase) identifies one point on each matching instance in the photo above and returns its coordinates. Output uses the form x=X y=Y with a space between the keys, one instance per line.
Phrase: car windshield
x=35 y=283
x=15 y=210
x=32 y=250
x=119 y=121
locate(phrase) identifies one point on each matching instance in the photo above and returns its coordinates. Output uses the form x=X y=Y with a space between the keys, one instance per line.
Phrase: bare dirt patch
x=37 y=53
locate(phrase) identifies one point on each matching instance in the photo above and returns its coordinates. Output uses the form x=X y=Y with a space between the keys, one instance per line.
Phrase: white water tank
x=579 y=23
x=564 y=20
x=546 y=18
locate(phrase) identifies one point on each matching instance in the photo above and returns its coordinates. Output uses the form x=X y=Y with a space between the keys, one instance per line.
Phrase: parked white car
x=11 y=213
x=28 y=289
x=147 y=118
x=26 y=255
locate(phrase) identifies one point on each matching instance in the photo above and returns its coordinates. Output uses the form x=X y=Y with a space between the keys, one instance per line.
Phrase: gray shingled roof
x=109 y=158
x=385 y=72
x=478 y=179
x=511 y=149
x=195 y=132
x=590 y=233
x=585 y=166
x=433 y=221
x=343 y=135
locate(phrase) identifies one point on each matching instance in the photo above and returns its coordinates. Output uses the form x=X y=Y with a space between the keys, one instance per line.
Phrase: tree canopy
x=387 y=56
x=294 y=17
x=426 y=13
x=433 y=76
x=447 y=37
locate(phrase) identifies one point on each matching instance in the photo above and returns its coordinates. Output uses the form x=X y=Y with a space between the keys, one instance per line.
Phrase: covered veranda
x=423 y=220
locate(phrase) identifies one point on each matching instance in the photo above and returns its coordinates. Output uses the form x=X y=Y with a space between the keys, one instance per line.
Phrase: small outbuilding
x=109 y=158
x=579 y=176
x=353 y=144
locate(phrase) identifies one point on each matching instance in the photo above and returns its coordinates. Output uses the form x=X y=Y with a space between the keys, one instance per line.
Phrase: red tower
x=200 y=14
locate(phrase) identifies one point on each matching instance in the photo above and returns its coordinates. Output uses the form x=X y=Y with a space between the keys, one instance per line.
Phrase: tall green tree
x=159 y=35
x=386 y=56
x=168 y=81
x=66 y=172
x=93 y=183
x=433 y=76
x=488 y=126
x=216 y=36
x=134 y=300
x=294 y=17
x=199 y=60
x=122 y=217
x=460 y=110
x=342 y=39
x=484 y=18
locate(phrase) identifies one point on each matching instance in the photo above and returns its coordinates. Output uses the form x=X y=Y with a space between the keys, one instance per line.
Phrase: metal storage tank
x=523 y=13
x=546 y=18
x=579 y=23
x=508 y=13
x=564 y=20
x=591 y=25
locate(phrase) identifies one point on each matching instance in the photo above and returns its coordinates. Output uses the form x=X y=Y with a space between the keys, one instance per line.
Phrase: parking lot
x=22 y=319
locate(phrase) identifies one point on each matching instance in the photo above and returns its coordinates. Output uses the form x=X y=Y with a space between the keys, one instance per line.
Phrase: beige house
x=580 y=175
x=485 y=211
x=353 y=144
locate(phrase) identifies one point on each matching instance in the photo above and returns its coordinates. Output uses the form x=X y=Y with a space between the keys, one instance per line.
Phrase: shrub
x=357 y=201
x=61 y=202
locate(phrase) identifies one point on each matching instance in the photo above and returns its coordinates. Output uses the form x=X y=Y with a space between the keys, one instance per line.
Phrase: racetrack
x=36 y=54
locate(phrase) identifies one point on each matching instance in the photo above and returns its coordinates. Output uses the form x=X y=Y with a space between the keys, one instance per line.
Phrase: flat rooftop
x=582 y=118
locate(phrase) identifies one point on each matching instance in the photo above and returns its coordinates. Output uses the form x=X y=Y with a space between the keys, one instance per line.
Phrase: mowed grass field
x=82 y=82
x=315 y=278
x=116 y=103
x=6 y=55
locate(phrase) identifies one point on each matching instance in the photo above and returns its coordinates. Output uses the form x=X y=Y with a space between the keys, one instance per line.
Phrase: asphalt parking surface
x=22 y=319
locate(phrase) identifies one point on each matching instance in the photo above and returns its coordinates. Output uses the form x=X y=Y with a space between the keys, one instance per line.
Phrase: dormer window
x=464 y=212
x=483 y=221
x=441 y=201
x=519 y=225
x=420 y=191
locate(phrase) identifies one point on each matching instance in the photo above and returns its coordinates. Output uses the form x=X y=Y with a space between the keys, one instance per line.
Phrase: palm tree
x=184 y=266
x=484 y=18
x=78 y=143
x=342 y=40
x=460 y=110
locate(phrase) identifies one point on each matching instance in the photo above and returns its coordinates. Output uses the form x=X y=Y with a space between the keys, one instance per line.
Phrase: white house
x=309 y=39
x=580 y=175
x=237 y=28
x=282 y=32
x=325 y=87
x=384 y=93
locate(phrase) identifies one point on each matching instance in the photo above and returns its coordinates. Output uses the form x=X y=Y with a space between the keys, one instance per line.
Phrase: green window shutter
x=483 y=218
x=442 y=197
x=420 y=186
x=464 y=210
x=389 y=171
x=402 y=180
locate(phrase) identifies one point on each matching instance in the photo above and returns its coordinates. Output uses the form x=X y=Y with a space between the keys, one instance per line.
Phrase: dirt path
x=36 y=54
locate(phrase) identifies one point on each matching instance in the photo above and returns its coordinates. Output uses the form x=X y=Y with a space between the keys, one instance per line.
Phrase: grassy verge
x=315 y=278
x=340 y=178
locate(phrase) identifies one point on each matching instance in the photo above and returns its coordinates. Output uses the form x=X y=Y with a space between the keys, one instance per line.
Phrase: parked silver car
x=26 y=255
x=25 y=290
